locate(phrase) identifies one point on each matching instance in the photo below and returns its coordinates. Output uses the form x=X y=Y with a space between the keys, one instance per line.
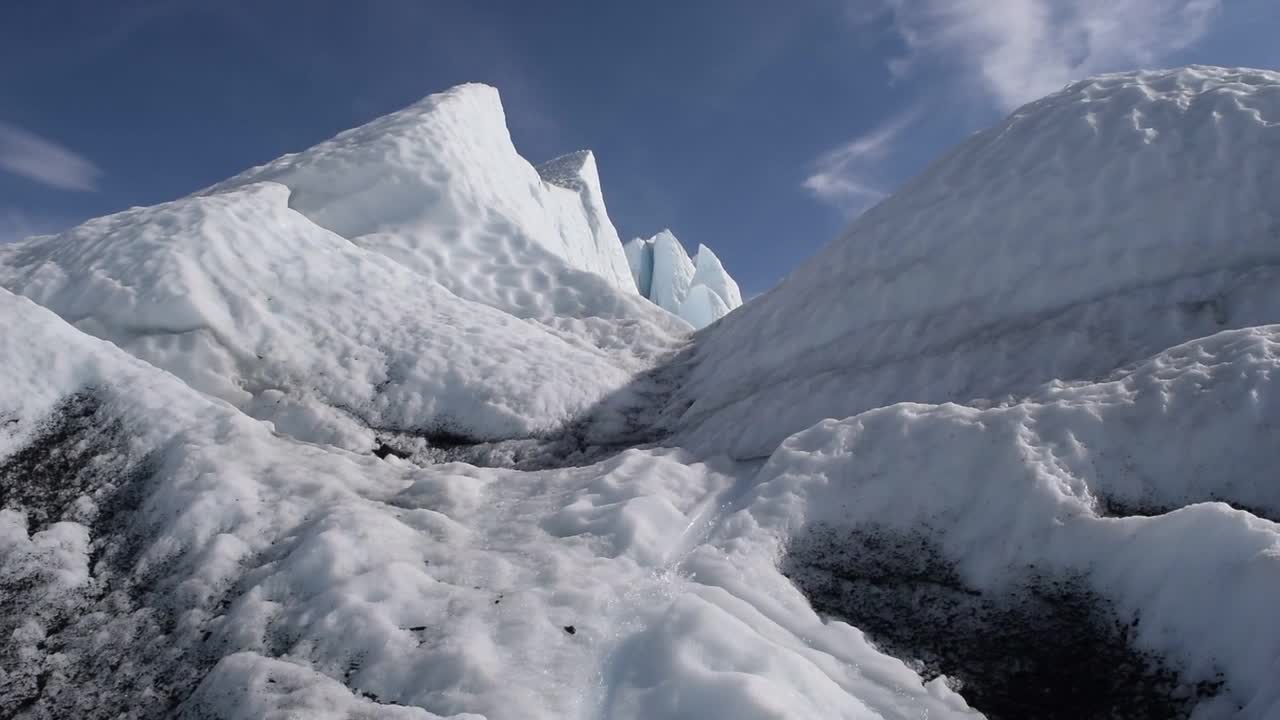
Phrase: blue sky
x=759 y=128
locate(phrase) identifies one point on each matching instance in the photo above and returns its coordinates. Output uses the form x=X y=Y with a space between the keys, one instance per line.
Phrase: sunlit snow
x=397 y=427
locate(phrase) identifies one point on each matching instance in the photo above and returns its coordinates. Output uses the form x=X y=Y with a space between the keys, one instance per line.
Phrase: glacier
x=346 y=321
x=397 y=426
x=698 y=290
x=1092 y=228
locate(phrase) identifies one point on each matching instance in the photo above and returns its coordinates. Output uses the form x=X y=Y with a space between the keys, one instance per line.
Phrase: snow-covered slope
x=163 y=555
x=1092 y=228
x=1007 y=444
x=247 y=300
x=699 y=291
x=439 y=188
x=934 y=527
x=442 y=175
x=504 y=309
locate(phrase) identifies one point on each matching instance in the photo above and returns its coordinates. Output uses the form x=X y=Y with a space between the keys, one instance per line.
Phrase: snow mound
x=414 y=275
x=1099 y=225
x=699 y=291
x=440 y=188
x=1050 y=494
x=163 y=555
x=249 y=301
x=1124 y=487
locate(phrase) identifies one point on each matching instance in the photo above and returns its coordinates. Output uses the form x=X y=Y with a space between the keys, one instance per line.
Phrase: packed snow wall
x=1090 y=229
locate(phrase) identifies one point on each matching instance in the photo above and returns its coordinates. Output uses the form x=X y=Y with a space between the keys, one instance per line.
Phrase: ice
x=326 y=339
x=710 y=273
x=1095 y=227
x=246 y=574
x=577 y=171
x=414 y=275
x=702 y=306
x=441 y=184
x=1122 y=485
x=439 y=188
x=672 y=272
x=248 y=686
x=1007 y=444
x=699 y=291
x=640 y=259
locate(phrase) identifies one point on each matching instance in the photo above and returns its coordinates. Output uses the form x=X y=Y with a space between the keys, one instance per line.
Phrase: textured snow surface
x=699 y=291
x=249 y=301
x=467 y=296
x=1128 y=483
x=442 y=175
x=439 y=188
x=1007 y=444
x=214 y=569
x=1092 y=228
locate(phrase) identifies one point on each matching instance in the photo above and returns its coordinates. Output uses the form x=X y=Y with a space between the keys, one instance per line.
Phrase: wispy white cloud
x=1018 y=50
x=1003 y=53
x=35 y=158
x=849 y=176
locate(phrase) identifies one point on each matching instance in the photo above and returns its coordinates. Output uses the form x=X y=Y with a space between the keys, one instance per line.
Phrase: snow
x=326 y=335
x=577 y=171
x=698 y=290
x=439 y=188
x=1026 y=406
x=1095 y=227
x=301 y=578
x=442 y=177
x=319 y=336
x=1124 y=483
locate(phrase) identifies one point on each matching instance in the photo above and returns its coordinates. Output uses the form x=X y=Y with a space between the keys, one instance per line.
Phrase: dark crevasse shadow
x=1045 y=647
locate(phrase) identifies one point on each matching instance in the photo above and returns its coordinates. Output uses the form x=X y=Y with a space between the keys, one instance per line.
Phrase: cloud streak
x=44 y=161
x=1019 y=50
x=1004 y=53
x=848 y=176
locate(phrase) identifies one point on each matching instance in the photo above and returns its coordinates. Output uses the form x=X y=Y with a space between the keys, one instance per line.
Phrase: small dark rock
x=570 y=629
x=384 y=450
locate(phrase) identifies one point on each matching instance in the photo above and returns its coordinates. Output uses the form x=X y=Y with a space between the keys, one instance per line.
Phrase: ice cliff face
x=577 y=172
x=384 y=429
x=699 y=291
